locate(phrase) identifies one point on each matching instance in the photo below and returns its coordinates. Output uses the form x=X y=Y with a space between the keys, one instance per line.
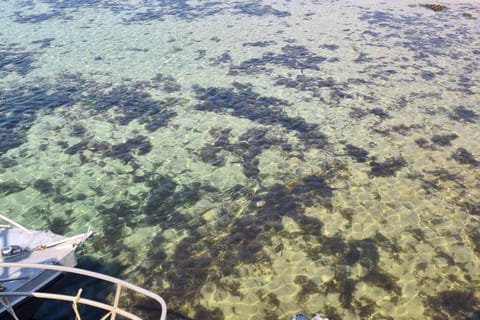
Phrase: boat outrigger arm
x=113 y=309
x=32 y=260
x=14 y=250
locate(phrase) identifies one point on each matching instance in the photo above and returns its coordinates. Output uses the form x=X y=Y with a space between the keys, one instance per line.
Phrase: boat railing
x=113 y=309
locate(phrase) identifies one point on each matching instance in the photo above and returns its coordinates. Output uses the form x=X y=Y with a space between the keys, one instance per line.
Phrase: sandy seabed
x=253 y=159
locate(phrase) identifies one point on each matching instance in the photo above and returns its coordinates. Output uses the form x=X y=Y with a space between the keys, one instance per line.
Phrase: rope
x=4 y=301
x=75 y=306
x=13 y=223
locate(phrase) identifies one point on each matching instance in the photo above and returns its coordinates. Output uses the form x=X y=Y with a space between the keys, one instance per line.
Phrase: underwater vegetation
x=463 y=114
x=185 y=255
x=292 y=57
x=444 y=140
x=260 y=44
x=365 y=253
x=462 y=156
x=247 y=149
x=130 y=102
x=9 y=187
x=387 y=168
x=359 y=154
x=60 y=9
x=419 y=35
x=43 y=186
x=241 y=101
x=13 y=59
x=20 y=109
x=43 y=43
x=6 y=162
x=307 y=287
x=459 y=304
x=224 y=58
x=38 y=18
x=180 y=9
x=256 y=9
x=239 y=239
x=338 y=90
x=168 y=83
x=126 y=151
x=436 y=141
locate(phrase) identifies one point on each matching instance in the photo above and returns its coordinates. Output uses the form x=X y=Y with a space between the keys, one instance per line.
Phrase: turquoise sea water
x=253 y=159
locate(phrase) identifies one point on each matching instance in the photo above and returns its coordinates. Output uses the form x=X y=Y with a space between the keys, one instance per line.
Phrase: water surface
x=251 y=160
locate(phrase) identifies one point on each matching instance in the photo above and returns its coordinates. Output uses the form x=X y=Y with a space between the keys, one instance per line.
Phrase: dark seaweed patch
x=138 y=145
x=198 y=260
x=9 y=187
x=365 y=308
x=261 y=44
x=210 y=154
x=331 y=47
x=454 y=303
x=463 y=114
x=271 y=310
x=169 y=83
x=445 y=175
x=204 y=313
x=41 y=17
x=58 y=225
x=400 y=129
x=181 y=9
x=250 y=145
x=403 y=129
x=364 y=252
x=472 y=208
x=337 y=90
x=201 y=54
x=368 y=253
x=346 y=288
x=293 y=57
x=307 y=288
x=358 y=113
x=44 y=43
x=428 y=75
x=15 y=60
x=115 y=221
x=6 y=162
x=462 y=156
x=422 y=40
x=78 y=147
x=256 y=9
x=223 y=58
x=379 y=112
x=130 y=103
x=78 y=130
x=245 y=103
x=43 y=186
x=382 y=280
x=378 y=17
x=444 y=140
x=387 y=168
x=359 y=154
x=423 y=143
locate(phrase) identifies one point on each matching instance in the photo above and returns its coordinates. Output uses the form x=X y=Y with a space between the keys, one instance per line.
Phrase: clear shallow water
x=253 y=160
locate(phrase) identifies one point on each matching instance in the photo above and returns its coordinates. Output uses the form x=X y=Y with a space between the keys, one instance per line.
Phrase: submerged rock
x=434 y=7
